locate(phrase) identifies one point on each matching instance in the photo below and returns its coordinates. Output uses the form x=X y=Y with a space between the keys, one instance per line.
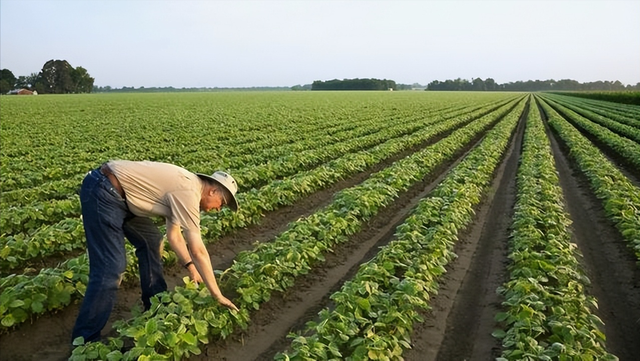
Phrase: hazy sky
x=211 y=43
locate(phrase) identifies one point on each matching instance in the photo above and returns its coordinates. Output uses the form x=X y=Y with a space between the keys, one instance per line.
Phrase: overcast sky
x=211 y=43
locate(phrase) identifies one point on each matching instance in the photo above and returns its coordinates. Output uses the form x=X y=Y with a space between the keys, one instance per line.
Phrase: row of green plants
x=623 y=97
x=28 y=218
x=256 y=202
x=372 y=316
x=24 y=221
x=18 y=253
x=59 y=149
x=67 y=164
x=273 y=266
x=24 y=298
x=628 y=131
x=619 y=196
x=312 y=135
x=624 y=147
x=628 y=116
x=54 y=190
x=51 y=290
x=49 y=240
x=547 y=314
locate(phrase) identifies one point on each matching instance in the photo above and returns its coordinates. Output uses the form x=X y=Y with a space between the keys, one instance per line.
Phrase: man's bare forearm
x=203 y=263
x=178 y=244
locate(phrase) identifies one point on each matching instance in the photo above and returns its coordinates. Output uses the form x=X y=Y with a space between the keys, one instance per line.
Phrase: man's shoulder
x=146 y=165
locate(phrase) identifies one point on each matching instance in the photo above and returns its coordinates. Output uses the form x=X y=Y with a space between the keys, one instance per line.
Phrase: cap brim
x=232 y=202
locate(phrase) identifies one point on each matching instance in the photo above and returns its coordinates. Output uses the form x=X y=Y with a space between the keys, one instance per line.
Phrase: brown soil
x=460 y=323
x=625 y=165
x=289 y=312
x=52 y=332
x=607 y=260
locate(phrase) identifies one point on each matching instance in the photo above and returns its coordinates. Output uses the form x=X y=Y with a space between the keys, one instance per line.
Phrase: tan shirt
x=160 y=189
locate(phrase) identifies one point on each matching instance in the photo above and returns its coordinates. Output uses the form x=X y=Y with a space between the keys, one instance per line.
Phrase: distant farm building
x=27 y=92
x=23 y=92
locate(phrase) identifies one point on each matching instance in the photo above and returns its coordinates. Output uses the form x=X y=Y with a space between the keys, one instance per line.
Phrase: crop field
x=372 y=226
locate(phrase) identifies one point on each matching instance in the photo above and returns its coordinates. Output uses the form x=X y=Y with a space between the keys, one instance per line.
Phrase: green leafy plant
x=274 y=266
x=547 y=314
x=373 y=314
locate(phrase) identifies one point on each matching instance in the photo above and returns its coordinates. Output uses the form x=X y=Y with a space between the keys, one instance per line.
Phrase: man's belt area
x=104 y=169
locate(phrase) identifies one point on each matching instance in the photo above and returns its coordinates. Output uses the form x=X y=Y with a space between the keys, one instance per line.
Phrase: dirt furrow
x=461 y=319
x=624 y=165
x=52 y=332
x=608 y=261
x=289 y=312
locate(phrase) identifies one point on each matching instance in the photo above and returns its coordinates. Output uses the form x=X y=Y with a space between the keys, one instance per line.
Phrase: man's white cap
x=228 y=183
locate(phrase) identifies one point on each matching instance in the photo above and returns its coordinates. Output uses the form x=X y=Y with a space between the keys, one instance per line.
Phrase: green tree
x=490 y=84
x=7 y=81
x=22 y=82
x=27 y=82
x=354 y=84
x=55 y=78
x=478 y=85
x=59 y=77
x=83 y=82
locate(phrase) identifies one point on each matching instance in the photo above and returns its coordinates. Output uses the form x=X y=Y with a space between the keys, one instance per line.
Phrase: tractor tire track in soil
x=52 y=332
x=607 y=260
x=289 y=312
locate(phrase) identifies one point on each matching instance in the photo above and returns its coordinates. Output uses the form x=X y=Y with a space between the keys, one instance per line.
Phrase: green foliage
x=628 y=149
x=624 y=97
x=7 y=81
x=59 y=77
x=374 y=313
x=550 y=85
x=354 y=84
x=619 y=124
x=548 y=315
x=273 y=266
x=620 y=197
x=280 y=192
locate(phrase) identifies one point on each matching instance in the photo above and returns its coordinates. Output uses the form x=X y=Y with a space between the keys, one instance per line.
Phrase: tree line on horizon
x=56 y=77
x=170 y=89
x=59 y=77
x=376 y=84
x=489 y=84
x=354 y=84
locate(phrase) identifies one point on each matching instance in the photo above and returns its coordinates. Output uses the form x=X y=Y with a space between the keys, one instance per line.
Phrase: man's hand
x=227 y=303
x=202 y=261
x=194 y=274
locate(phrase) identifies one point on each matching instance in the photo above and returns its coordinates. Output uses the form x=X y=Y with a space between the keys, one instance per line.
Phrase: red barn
x=27 y=92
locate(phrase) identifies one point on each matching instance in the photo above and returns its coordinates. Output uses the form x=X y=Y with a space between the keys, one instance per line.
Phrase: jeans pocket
x=109 y=200
x=115 y=192
x=106 y=185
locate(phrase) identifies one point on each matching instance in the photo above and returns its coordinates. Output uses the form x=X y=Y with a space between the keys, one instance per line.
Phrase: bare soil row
x=459 y=325
x=461 y=321
x=289 y=312
x=52 y=332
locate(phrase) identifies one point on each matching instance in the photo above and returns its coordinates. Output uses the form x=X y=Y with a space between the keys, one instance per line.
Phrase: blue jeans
x=107 y=220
